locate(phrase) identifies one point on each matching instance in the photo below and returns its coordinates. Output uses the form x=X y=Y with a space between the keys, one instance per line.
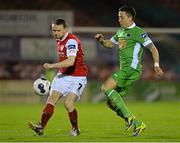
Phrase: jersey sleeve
x=114 y=39
x=144 y=39
x=72 y=47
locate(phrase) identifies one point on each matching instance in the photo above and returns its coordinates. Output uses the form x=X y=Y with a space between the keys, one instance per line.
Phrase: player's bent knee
x=104 y=88
x=51 y=102
x=53 y=98
x=68 y=105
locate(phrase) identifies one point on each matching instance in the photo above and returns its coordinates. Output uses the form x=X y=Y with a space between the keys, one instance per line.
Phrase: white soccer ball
x=41 y=86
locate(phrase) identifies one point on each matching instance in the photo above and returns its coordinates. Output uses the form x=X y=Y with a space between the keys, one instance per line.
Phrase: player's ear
x=130 y=17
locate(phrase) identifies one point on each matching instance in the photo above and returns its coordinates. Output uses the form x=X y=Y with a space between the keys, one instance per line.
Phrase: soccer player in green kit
x=131 y=40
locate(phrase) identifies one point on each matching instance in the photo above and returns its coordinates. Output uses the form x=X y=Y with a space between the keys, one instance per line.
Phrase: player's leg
x=132 y=76
x=69 y=104
x=139 y=126
x=109 y=89
x=114 y=108
x=49 y=107
x=119 y=79
x=76 y=87
x=114 y=88
x=56 y=92
x=116 y=99
x=47 y=113
x=130 y=120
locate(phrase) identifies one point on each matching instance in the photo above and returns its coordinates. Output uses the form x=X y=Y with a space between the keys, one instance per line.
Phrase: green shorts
x=124 y=78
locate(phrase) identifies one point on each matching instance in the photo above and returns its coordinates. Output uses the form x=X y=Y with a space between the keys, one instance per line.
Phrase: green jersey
x=131 y=41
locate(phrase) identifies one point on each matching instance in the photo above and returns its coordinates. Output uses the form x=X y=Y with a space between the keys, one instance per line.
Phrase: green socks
x=114 y=108
x=116 y=100
x=116 y=103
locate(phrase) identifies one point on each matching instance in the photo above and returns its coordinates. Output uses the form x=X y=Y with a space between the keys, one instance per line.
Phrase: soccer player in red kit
x=69 y=82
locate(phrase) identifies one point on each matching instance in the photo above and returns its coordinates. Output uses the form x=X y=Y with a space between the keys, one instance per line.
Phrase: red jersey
x=70 y=45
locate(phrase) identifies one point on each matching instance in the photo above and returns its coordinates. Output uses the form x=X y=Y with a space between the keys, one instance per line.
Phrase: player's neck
x=130 y=25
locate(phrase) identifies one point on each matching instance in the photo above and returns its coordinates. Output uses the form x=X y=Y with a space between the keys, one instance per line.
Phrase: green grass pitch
x=96 y=121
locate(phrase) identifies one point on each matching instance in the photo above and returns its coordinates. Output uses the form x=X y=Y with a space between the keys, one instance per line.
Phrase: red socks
x=49 y=110
x=46 y=115
x=73 y=118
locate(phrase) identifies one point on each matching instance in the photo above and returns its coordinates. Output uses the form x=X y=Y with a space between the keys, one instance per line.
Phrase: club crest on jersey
x=122 y=43
x=128 y=35
x=61 y=48
x=71 y=47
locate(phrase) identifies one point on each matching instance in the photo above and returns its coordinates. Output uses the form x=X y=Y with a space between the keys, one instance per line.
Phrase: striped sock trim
x=111 y=92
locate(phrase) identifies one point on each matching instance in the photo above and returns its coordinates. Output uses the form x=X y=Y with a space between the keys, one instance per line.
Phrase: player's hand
x=99 y=37
x=48 y=66
x=158 y=71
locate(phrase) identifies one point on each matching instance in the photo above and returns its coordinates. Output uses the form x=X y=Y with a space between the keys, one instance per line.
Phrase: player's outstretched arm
x=105 y=43
x=155 y=55
x=63 y=64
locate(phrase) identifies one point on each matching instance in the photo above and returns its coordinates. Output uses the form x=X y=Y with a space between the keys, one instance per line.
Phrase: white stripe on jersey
x=135 y=60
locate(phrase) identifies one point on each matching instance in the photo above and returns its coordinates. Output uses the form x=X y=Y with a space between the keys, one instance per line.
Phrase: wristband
x=156 y=64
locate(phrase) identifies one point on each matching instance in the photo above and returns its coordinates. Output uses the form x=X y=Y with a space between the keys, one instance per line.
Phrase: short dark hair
x=60 y=21
x=129 y=10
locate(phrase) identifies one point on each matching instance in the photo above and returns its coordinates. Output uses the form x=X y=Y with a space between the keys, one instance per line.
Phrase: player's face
x=58 y=31
x=124 y=19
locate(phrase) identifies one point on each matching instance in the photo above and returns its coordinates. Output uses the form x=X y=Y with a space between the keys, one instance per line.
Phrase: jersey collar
x=65 y=36
x=132 y=26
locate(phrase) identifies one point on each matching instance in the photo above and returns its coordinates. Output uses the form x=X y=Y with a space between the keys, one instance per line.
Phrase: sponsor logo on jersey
x=72 y=51
x=71 y=47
